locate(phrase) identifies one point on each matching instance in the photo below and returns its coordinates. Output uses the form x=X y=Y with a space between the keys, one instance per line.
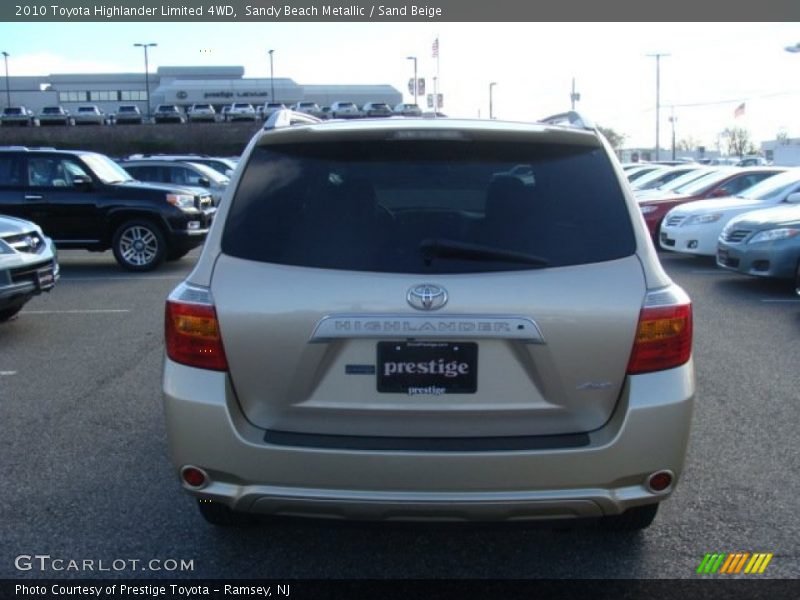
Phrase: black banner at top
x=394 y=11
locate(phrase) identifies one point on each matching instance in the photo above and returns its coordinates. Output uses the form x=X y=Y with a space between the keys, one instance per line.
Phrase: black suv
x=85 y=200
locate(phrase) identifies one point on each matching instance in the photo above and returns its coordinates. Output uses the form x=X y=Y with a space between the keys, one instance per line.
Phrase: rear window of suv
x=428 y=206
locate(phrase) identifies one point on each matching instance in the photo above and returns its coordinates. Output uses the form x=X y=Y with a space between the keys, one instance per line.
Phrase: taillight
x=192 y=330
x=664 y=333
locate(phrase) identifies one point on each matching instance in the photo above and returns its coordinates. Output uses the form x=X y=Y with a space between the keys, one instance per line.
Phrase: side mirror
x=793 y=198
x=82 y=181
x=204 y=182
x=719 y=193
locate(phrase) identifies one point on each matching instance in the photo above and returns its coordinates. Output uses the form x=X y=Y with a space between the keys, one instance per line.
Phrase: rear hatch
x=411 y=284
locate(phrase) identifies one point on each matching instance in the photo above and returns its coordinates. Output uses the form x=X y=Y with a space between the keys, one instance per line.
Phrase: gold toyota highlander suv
x=429 y=319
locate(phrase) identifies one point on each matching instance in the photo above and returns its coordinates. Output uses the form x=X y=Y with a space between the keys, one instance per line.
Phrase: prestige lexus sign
x=255 y=94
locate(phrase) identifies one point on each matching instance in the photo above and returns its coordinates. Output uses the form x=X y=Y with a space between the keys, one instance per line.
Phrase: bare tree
x=615 y=139
x=739 y=142
x=689 y=144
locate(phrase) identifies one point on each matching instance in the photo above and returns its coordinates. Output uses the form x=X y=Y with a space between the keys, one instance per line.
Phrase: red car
x=723 y=182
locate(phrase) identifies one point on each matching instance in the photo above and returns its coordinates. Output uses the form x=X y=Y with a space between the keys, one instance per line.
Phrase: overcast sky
x=712 y=67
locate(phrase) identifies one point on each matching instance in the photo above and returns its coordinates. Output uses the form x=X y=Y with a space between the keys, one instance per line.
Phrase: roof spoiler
x=569 y=119
x=27 y=148
x=287 y=118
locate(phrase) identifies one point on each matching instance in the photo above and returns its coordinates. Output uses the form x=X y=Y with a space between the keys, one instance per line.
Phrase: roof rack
x=287 y=118
x=570 y=119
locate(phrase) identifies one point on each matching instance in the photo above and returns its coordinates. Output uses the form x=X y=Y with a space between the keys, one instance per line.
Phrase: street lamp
x=146 y=75
x=8 y=88
x=491 y=106
x=414 y=58
x=673 y=119
x=658 y=94
x=271 y=77
x=574 y=96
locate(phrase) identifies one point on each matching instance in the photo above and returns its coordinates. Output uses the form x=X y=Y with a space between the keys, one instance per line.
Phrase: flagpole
x=438 y=77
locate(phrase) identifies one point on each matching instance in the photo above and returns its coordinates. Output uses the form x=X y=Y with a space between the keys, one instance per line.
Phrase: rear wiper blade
x=443 y=248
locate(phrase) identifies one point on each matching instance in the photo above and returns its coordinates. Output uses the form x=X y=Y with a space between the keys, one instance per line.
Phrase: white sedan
x=89 y=115
x=693 y=228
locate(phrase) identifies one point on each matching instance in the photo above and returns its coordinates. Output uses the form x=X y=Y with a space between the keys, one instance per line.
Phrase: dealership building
x=183 y=86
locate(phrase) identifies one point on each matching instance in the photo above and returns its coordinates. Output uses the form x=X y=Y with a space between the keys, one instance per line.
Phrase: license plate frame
x=428 y=367
x=45 y=278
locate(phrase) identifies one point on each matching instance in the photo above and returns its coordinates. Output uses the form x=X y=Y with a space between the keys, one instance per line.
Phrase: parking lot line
x=782 y=300
x=7 y=373
x=90 y=311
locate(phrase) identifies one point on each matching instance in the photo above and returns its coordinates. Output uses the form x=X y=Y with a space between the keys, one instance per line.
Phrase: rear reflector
x=192 y=335
x=193 y=477
x=659 y=482
x=663 y=338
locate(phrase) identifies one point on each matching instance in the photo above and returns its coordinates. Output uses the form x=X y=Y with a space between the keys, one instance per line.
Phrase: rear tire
x=633 y=519
x=221 y=516
x=139 y=245
x=797 y=279
x=7 y=314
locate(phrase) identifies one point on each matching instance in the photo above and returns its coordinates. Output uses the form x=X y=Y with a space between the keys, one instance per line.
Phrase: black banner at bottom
x=408 y=589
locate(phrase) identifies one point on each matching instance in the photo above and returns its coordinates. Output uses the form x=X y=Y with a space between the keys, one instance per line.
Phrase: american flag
x=436 y=48
x=739 y=111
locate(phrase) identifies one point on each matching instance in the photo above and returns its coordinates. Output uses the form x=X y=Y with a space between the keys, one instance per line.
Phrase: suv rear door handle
x=32 y=197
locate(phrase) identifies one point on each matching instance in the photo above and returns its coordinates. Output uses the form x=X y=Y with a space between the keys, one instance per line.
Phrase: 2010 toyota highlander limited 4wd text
x=429 y=319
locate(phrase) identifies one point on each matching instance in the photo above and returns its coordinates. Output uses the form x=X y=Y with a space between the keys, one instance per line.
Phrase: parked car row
x=247 y=112
x=58 y=115
x=130 y=114
x=753 y=160
x=746 y=217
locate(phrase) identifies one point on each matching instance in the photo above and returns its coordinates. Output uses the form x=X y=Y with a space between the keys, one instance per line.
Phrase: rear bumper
x=648 y=432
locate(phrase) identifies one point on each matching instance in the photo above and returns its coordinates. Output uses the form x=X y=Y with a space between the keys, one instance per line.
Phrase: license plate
x=432 y=368
x=45 y=278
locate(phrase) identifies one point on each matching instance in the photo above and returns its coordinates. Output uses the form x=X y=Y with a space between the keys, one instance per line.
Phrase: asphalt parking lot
x=86 y=476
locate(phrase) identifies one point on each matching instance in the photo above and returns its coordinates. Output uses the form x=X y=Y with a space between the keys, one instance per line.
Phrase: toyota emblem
x=427 y=296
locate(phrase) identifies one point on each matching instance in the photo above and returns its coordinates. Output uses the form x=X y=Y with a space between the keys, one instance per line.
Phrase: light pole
x=271 y=77
x=658 y=95
x=574 y=96
x=673 y=119
x=414 y=58
x=8 y=87
x=146 y=75
x=491 y=105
